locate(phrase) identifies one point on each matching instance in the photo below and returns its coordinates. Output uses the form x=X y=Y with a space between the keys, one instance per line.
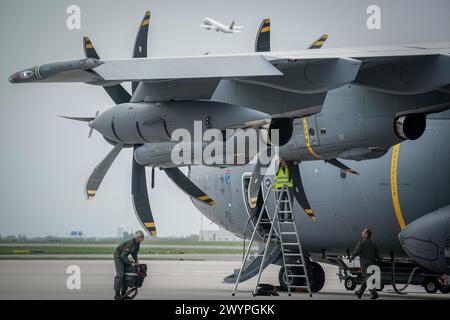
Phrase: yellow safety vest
x=282 y=178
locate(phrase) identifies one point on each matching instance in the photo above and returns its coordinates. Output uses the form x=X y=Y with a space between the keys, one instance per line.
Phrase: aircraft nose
x=15 y=78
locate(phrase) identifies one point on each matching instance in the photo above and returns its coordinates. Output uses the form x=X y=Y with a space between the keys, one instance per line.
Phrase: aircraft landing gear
x=316 y=276
x=350 y=283
x=430 y=285
x=284 y=280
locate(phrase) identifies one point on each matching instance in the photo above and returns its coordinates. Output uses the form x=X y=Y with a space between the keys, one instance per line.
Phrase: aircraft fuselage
x=409 y=181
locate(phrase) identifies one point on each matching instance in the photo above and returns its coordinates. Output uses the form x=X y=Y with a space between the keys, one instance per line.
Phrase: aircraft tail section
x=262 y=43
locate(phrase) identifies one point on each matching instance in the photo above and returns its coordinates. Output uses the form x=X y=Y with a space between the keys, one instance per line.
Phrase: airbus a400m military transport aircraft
x=382 y=108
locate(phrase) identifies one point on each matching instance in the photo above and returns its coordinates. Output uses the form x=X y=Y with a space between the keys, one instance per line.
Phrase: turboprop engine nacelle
x=427 y=240
x=138 y=123
x=410 y=126
x=239 y=149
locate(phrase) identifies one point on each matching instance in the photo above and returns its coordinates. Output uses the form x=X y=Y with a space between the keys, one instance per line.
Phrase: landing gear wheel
x=318 y=277
x=430 y=285
x=283 y=279
x=350 y=283
x=444 y=288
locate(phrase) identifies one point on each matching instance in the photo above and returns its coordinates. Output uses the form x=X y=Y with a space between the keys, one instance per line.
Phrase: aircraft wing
x=404 y=69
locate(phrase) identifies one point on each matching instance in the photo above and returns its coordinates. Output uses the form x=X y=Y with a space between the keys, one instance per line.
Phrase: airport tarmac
x=46 y=279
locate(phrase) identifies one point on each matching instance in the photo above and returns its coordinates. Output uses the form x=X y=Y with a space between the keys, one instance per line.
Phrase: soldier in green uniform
x=121 y=261
x=368 y=254
x=283 y=178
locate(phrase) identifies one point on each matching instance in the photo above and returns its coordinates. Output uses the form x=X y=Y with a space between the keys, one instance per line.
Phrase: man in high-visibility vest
x=283 y=178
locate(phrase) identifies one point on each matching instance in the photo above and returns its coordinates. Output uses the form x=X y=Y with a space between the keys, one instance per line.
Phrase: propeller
x=262 y=44
x=117 y=92
x=255 y=193
x=141 y=204
x=84 y=119
x=92 y=128
x=186 y=185
x=254 y=189
x=299 y=191
x=319 y=42
x=139 y=192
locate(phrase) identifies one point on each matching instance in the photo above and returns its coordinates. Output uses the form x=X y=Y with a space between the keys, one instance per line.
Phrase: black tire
x=444 y=288
x=430 y=285
x=350 y=283
x=318 y=277
x=282 y=279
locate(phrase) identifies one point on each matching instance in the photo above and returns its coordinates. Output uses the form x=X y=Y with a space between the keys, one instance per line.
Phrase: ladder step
x=283 y=215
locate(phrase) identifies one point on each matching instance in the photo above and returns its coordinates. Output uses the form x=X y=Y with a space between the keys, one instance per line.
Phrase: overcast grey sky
x=45 y=160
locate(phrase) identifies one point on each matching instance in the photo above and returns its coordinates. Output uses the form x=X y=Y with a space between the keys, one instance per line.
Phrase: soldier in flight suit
x=368 y=255
x=121 y=261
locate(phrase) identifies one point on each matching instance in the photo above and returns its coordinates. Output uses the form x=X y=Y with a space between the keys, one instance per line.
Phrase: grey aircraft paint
x=355 y=124
x=344 y=203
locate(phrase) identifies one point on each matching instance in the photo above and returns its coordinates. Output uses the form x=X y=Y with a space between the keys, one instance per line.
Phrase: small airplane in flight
x=209 y=24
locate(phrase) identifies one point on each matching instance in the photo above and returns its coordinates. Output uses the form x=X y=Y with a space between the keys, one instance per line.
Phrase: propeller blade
x=83 y=119
x=255 y=183
x=340 y=165
x=96 y=177
x=89 y=50
x=92 y=128
x=319 y=42
x=139 y=193
x=299 y=191
x=117 y=93
x=262 y=42
x=187 y=186
x=140 y=45
x=153 y=177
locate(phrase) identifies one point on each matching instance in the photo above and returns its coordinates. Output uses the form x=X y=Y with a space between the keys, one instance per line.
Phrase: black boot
x=374 y=295
x=117 y=296
x=124 y=296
